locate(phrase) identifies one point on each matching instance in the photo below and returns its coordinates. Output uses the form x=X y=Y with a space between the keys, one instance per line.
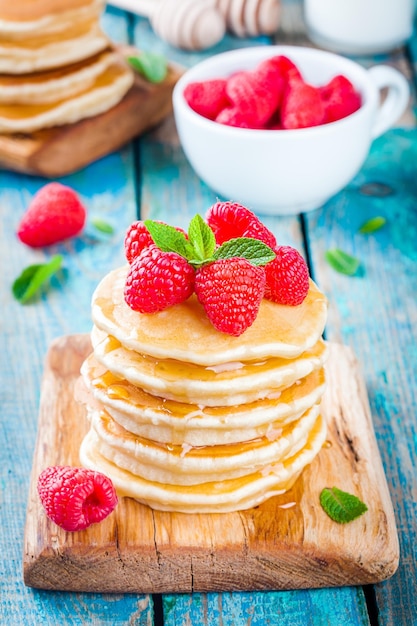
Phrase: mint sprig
x=372 y=225
x=340 y=506
x=102 y=226
x=342 y=262
x=34 y=277
x=152 y=66
x=200 y=247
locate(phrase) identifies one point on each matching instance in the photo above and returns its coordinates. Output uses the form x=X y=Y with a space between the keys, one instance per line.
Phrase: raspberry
x=340 y=98
x=230 y=290
x=138 y=238
x=75 y=497
x=255 y=95
x=233 y=116
x=287 y=278
x=55 y=214
x=207 y=98
x=157 y=280
x=230 y=219
x=302 y=106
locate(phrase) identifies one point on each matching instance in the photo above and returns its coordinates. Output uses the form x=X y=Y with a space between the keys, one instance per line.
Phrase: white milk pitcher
x=359 y=26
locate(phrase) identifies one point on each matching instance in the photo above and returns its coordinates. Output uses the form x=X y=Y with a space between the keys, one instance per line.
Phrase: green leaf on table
x=201 y=238
x=34 y=277
x=340 y=506
x=102 y=226
x=152 y=66
x=375 y=223
x=251 y=249
x=342 y=262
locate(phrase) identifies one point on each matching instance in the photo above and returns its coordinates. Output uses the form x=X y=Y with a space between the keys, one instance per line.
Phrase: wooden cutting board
x=65 y=149
x=273 y=546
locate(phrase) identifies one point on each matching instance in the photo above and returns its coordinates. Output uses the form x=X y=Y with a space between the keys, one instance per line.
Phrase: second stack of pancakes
x=56 y=64
x=185 y=418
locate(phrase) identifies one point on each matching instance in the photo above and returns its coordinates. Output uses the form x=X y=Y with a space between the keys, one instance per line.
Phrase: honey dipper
x=188 y=24
x=199 y=24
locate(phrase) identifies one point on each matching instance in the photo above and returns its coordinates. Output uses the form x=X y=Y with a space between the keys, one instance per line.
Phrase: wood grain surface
x=271 y=546
x=65 y=149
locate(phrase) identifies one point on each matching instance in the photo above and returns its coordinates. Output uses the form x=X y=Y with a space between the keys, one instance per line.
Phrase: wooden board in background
x=269 y=547
x=65 y=149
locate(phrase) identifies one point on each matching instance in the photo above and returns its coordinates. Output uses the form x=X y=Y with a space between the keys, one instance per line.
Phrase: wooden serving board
x=65 y=149
x=271 y=546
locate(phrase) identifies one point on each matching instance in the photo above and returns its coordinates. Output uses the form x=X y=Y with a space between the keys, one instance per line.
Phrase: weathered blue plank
x=376 y=313
x=286 y=608
x=107 y=189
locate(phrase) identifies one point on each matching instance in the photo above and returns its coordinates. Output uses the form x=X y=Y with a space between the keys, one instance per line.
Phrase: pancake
x=184 y=333
x=210 y=497
x=236 y=383
x=44 y=51
x=105 y=91
x=187 y=465
x=43 y=87
x=32 y=10
x=16 y=23
x=166 y=421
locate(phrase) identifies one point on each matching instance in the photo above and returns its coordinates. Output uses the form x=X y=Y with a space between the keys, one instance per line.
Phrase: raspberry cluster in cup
x=273 y=96
x=231 y=261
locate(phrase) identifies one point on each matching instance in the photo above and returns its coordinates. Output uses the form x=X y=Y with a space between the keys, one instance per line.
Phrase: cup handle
x=396 y=100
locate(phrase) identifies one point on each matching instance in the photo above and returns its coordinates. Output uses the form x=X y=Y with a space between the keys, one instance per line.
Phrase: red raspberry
x=207 y=98
x=230 y=219
x=157 y=280
x=137 y=238
x=230 y=291
x=55 y=214
x=340 y=98
x=287 y=278
x=75 y=497
x=233 y=116
x=255 y=95
x=302 y=106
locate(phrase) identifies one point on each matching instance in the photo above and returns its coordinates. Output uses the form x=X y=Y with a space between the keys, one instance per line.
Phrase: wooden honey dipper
x=200 y=24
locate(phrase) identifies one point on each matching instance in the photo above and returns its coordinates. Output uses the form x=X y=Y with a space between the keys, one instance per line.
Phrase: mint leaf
x=253 y=250
x=152 y=66
x=375 y=223
x=340 y=506
x=342 y=262
x=168 y=238
x=102 y=226
x=201 y=238
x=33 y=277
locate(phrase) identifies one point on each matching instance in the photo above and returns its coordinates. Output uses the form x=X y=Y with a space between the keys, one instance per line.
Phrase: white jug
x=359 y=26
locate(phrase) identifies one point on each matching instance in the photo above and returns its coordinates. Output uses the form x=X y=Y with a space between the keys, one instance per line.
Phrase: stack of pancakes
x=185 y=418
x=56 y=64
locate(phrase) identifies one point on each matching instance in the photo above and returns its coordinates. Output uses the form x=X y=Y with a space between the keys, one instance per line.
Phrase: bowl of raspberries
x=282 y=129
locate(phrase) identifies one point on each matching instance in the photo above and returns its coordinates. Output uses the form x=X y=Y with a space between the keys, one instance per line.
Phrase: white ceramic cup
x=359 y=26
x=281 y=172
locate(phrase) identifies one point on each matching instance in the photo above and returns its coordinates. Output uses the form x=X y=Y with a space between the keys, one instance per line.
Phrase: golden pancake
x=186 y=465
x=31 y=10
x=184 y=333
x=105 y=91
x=15 y=26
x=238 y=383
x=45 y=87
x=166 y=421
x=43 y=51
x=210 y=497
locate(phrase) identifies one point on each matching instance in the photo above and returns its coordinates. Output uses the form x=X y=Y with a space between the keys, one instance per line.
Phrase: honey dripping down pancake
x=184 y=415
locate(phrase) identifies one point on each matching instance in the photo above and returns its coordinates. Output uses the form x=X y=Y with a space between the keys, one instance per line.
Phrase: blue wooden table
x=374 y=313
